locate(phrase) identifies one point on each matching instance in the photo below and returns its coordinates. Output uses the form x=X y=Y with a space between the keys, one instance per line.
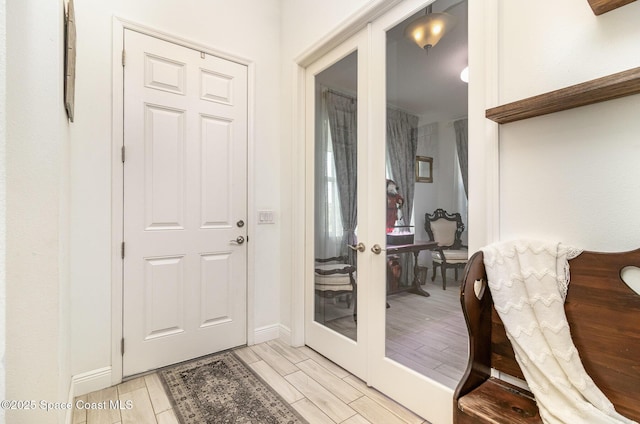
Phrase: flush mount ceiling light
x=464 y=75
x=427 y=30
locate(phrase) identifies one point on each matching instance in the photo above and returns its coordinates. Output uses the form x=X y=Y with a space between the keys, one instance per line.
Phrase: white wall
x=3 y=194
x=305 y=22
x=37 y=270
x=436 y=140
x=425 y=197
x=572 y=176
x=245 y=28
x=445 y=169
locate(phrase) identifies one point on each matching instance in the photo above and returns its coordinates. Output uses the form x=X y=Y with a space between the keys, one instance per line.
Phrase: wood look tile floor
x=426 y=334
x=319 y=390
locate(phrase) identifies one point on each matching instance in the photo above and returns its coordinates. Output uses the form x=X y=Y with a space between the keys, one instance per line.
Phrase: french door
x=337 y=132
x=351 y=94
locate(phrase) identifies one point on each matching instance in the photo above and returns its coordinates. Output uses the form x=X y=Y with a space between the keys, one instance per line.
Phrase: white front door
x=185 y=203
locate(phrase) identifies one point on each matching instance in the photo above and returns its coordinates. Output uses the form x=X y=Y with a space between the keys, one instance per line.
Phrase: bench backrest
x=604 y=319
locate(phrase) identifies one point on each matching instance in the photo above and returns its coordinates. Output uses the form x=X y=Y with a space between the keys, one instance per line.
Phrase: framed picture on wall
x=424 y=169
x=69 y=60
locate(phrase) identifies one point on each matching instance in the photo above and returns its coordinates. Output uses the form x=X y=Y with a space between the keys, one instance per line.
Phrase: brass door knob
x=377 y=249
x=360 y=247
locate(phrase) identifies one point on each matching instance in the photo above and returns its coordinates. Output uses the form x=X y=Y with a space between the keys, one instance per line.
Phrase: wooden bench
x=604 y=318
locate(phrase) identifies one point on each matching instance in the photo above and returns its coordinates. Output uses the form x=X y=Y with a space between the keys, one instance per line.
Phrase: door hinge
x=122 y=346
x=123 y=58
x=122 y=153
x=122 y=250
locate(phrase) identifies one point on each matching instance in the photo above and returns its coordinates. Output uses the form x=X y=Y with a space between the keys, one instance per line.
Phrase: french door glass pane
x=425 y=329
x=335 y=276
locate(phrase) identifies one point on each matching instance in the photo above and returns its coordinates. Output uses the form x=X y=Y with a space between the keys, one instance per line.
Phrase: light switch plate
x=266 y=217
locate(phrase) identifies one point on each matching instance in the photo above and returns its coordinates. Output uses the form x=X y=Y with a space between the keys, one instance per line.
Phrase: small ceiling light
x=427 y=30
x=464 y=75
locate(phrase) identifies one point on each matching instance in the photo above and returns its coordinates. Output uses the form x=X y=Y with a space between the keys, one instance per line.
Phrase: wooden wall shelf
x=603 y=6
x=598 y=90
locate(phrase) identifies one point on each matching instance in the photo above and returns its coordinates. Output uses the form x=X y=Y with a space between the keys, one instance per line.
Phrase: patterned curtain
x=342 y=113
x=462 y=144
x=402 y=144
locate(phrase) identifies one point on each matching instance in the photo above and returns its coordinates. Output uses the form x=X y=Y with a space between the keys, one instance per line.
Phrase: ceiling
x=427 y=85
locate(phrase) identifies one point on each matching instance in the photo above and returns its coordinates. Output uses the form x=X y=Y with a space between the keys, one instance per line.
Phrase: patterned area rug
x=222 y=389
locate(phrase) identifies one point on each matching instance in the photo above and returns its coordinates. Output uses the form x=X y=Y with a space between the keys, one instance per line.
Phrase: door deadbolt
x=240 y=224
x=238 y=240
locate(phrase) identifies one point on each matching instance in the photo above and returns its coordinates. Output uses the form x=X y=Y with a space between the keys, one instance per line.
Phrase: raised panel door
x=185 y=188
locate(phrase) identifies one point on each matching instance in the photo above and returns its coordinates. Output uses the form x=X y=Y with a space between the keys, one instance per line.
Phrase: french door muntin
x=364 y=355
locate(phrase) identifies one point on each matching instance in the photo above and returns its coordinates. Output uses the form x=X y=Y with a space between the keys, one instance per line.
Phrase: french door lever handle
x=360 y=247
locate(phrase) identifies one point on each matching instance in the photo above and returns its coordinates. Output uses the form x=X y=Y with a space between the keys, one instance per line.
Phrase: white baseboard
x=271 y=332
x=84 y=383
x=266 y=333
x=91 y=381
x=285 y=334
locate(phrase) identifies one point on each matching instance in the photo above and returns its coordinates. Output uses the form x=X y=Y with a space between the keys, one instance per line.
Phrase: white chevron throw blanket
x=528 y=282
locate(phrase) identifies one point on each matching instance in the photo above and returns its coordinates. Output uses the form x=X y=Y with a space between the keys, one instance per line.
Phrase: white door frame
x=117 y=187
x=483 y=149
